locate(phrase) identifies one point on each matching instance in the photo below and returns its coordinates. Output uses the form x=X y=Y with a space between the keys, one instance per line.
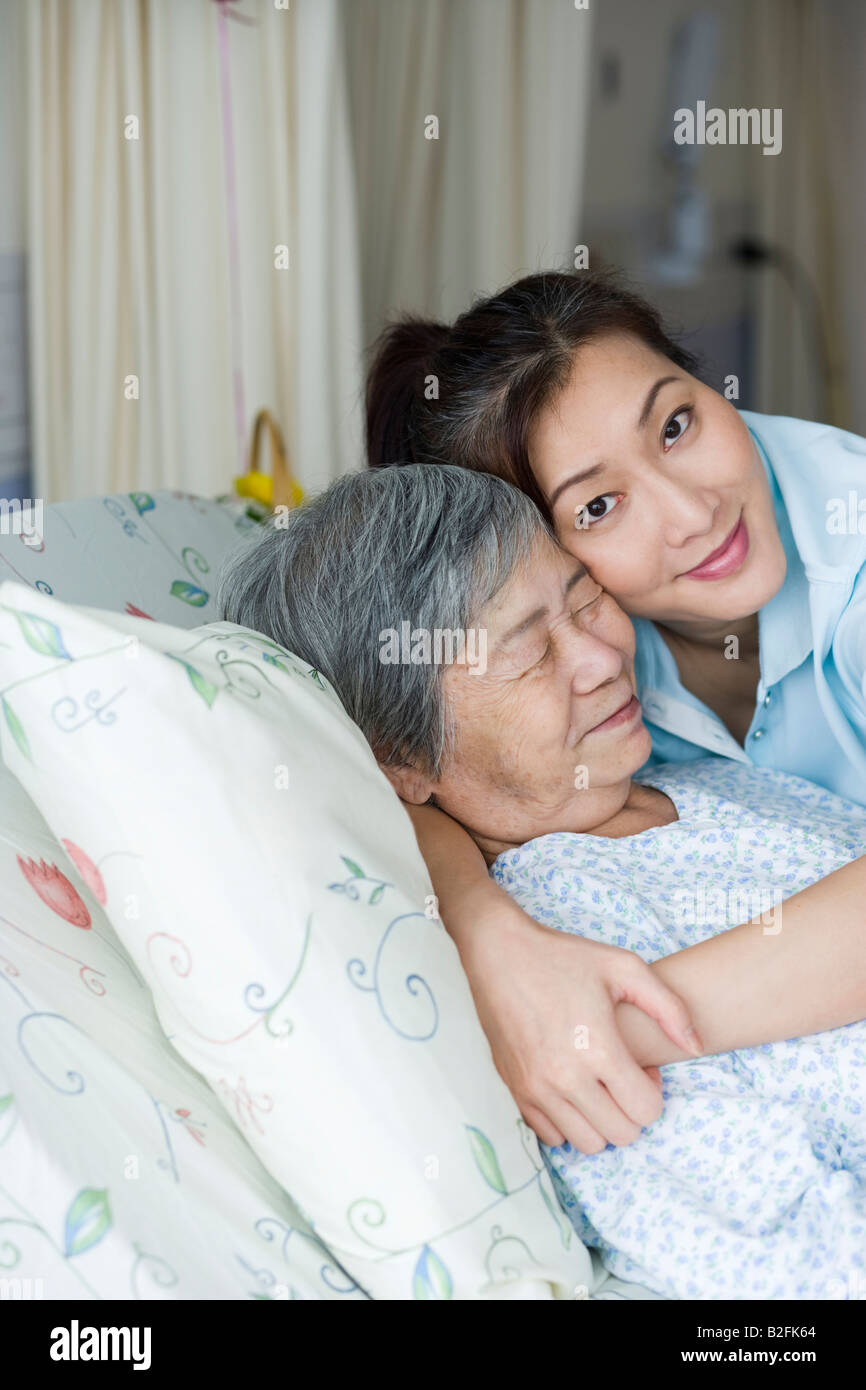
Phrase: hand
x=546 y=1000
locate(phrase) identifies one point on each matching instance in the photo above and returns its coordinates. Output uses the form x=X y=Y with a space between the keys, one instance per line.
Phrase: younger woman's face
x=654 y=483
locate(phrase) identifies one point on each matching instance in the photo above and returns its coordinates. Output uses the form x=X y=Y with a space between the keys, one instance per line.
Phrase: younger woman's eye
x=596 y=510
x=674 y=429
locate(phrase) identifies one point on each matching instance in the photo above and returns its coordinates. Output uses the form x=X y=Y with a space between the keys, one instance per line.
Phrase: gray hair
x=431 y=544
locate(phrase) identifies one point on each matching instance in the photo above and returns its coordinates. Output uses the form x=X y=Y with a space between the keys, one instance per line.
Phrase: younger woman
x=733 y=540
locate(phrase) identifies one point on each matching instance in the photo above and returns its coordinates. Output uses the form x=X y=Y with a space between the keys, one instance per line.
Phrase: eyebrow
x=532 y=618
x=598 y=468
x=651 y=398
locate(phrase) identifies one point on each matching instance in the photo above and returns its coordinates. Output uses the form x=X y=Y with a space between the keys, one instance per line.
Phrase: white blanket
x=752 y=1184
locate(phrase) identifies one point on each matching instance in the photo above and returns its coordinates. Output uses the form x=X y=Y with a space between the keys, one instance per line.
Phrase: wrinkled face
x=548 y=736
x=655 y=484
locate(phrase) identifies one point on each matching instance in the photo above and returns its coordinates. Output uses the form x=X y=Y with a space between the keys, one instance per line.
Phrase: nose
x=592 y=658
x=681 y=511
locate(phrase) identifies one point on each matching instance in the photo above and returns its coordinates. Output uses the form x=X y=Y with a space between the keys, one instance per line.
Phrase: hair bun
x=403 y=357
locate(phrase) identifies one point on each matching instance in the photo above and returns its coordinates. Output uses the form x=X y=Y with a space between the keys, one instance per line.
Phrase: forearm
x=743 y=987
x=457 y=870
x=752 y=985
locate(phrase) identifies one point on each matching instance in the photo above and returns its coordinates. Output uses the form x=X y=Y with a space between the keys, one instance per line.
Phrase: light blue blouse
x=810 y=710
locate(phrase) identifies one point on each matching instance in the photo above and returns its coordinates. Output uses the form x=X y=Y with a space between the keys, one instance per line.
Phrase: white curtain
x=806 y=58
x=843 y=42
x=499 y=193
x=155 y=257
x=259 y=127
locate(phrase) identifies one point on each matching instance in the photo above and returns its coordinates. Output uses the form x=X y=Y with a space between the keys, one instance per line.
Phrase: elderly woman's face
x=547 y=737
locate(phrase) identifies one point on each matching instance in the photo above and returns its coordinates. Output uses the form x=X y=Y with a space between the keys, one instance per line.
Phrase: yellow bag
x=279 y=487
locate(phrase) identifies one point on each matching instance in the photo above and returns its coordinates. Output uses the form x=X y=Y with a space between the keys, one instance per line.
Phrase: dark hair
x=468 y=394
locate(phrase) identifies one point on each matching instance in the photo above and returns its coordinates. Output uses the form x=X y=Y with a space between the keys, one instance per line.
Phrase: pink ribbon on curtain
x=223 y=16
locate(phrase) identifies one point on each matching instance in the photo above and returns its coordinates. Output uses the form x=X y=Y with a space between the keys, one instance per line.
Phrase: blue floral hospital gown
x=752 y=1183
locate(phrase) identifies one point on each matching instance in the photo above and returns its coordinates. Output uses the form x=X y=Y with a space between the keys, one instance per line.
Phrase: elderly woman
x=746 y=1182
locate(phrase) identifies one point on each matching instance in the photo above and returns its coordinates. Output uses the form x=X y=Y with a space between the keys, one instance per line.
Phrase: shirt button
x=767 y=699
x=759 y=733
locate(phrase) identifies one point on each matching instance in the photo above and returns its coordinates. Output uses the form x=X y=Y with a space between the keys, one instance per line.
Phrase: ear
x=409 y=784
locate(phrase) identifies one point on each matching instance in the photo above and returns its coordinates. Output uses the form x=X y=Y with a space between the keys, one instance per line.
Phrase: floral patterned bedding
x=121 y=1174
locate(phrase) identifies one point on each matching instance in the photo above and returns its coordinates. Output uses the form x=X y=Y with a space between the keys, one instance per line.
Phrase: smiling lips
x=726 y=559
x=624 y=715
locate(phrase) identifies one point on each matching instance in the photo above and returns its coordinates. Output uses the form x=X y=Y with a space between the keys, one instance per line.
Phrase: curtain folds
x=499 y=192
x=154 y=257
x=806 y=59
x=151 y=259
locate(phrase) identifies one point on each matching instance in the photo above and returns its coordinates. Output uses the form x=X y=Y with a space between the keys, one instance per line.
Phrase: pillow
x=121 y=1176
x=266 y=880
x=149 y=554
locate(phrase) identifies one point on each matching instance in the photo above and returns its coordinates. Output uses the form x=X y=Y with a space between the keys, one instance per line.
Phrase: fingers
x=648 y=992
x=539 y=1122
x=577 y=1129
x=613 y=1121
x=609 y=1105
x=637 y=1096
x=591 y=1118
x=598 y=1117
x=609 y=1102
x=595 y=1093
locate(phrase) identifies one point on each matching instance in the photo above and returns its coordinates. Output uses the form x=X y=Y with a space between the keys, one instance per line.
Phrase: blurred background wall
x=211 y=205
